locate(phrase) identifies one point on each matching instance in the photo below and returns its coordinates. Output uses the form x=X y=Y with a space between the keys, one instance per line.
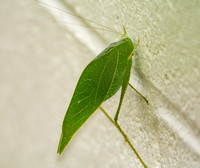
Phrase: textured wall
x=41 y=62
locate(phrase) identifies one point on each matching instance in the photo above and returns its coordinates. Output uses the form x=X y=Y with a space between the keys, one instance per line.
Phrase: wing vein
x=114 y=73
x=100 y=81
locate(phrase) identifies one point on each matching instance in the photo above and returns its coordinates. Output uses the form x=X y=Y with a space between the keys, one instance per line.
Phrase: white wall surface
x=41 y=61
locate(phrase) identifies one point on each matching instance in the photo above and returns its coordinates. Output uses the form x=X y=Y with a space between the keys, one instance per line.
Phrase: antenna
x=104 y=28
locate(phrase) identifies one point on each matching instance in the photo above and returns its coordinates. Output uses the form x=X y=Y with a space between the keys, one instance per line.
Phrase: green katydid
x=99 y=81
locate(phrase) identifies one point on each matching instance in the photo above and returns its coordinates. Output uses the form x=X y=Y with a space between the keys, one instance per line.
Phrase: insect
x=99 y=81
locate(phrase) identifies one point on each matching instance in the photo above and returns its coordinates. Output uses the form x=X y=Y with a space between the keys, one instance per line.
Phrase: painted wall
x=41 y=62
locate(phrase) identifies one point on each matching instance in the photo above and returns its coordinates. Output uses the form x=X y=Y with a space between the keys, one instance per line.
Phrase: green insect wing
x=100 y=80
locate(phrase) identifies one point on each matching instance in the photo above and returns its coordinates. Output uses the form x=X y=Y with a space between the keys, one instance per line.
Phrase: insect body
x=100 y=80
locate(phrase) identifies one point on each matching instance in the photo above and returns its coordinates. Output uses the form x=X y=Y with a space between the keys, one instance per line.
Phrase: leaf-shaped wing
x=99 y=81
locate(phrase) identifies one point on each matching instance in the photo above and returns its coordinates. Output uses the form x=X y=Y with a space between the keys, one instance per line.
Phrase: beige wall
x=41 y=62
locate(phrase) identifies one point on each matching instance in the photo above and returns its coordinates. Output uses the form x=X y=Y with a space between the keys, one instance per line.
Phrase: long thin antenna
x=73 y=14
x=92 y=27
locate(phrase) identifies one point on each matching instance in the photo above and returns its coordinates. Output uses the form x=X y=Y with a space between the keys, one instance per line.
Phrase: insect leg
x=124 y=87
x=139 y=93
x=124 y=135
x=134 y=49
x=124 y=33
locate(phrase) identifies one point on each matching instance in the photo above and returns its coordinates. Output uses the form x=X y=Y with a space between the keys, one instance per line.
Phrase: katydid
x=99 y=81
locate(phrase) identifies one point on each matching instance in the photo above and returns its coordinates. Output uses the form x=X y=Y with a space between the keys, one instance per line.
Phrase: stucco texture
x=41 y=62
